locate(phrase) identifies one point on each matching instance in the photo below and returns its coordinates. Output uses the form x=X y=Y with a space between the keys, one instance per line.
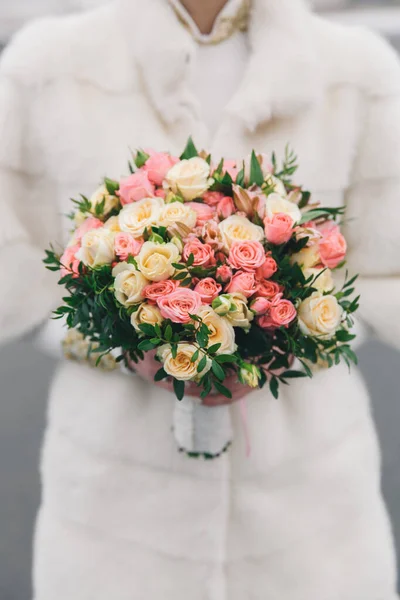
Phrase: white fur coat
x=124 y=515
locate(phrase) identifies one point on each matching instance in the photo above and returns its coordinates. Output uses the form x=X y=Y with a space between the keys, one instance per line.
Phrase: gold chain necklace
x=233 y=17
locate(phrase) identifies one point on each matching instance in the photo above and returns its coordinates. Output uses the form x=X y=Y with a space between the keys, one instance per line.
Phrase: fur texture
x=124 y=516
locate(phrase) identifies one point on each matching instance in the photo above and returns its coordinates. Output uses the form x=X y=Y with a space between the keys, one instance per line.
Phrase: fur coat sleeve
x=373 y=214
x=28 y=292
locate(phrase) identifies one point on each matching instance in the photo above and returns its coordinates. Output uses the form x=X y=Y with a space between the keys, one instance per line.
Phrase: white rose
x=176 y=212
x=128 y=284
x=112 y=224
x=320 y=316
x=324 y=281
x=221 y=331
x=155 y=260
x=97 y=248
x=308 y=257
x=136 y=217
x=146 y=313
x=236 y=228
x=241 y=315
x=181 y=367
x=190 y=178
x=275 y=204
x=110 y=201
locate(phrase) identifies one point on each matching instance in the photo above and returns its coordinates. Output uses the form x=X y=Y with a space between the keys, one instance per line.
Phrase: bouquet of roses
x=222 y=274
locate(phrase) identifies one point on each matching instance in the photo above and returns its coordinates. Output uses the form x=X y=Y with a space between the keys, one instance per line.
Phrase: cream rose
x=155 y=260
x=134 y=218
x=221 y=331
x=97 y=248
x=189 y=178
x=146 y=313
x=176 y=212
x=181 y=367
x=128 y=284
x=320 y=316
x=324 y=281
x=275 y=204
x=110 y=201
x=241 y=315
x=237 y=229
x=308 y=257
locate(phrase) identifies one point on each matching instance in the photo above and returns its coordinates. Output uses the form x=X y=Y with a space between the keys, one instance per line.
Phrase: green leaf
x=344 y=336
x=316 y=213
x=147 y=329
x=305 y=199
x=112 y=186
x=222 y=389
x=146 y=345
x=218 y=370
x=168 y=333
x=293 y=374
x=190 y=260
x=214 y=348
x=179 y=388
x=141 y=158
x=202 y=339
x=256 y=174
x=351 y=281
x=161 y=374
x=202 y=364
x=226 y=358
x=347 y=351
x=190 y=150
x=274 y=387
x=240 y=177
x=195 y=356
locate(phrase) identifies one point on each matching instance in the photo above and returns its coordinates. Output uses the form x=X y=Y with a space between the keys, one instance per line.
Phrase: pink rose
x=203 y=253
x=332 y=247
x=283 y=313
x=157 y=290
x=87 y=225
x=267 y=269
x=70 y=264
x=204 y=212
x=208 y=289
x=125 y=244
x=135 y=187
x=160 y=193
x=268 y=289
x=260 y=305
x=247 y=255
x=242 y=282
x=225 y=207
x=158 y=165
x=179 y=305
x=266 y=322
x=212 y=198
x=279 y=229
x=224 y=274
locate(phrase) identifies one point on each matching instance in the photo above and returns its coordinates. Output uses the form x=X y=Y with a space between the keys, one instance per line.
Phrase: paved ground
x=24 y=377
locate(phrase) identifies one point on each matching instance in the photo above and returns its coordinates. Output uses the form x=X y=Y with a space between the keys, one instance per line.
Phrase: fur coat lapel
x=282 y=75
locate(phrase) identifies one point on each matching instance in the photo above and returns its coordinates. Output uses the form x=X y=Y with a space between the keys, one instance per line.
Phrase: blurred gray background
x=25 y=373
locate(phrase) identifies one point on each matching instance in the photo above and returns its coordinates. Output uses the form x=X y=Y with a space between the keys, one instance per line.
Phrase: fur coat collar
x=282 y=75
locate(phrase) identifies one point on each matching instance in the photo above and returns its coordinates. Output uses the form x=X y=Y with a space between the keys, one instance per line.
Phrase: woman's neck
x=204 y=13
